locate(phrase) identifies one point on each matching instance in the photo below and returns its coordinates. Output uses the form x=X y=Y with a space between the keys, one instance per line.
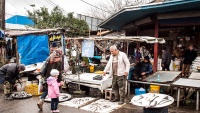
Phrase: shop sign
x=55 y=38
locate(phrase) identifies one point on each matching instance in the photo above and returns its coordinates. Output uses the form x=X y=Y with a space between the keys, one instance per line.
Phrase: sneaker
x=8 y=98
x=56 y=111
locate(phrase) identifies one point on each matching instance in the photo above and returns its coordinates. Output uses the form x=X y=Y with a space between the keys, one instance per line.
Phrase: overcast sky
x=19 y=7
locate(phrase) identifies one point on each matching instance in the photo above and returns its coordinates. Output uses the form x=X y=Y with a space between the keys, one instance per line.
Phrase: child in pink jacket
x=53 y=89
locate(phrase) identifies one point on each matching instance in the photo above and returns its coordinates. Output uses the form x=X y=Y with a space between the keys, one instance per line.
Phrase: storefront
x=178 y=22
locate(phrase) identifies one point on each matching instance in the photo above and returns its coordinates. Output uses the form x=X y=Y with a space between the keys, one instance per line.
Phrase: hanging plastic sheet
x=32 y=48
x=88 y=48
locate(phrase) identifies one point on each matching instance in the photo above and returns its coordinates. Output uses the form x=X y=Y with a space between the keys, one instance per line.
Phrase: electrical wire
x=15 y=7
x=95 y=6
x=27 y=2
x=49 y=1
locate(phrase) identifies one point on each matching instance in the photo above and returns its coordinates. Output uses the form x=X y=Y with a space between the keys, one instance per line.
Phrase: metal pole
x=127 y=48
x=197 y=102
x=128 y=83
x=178 y=97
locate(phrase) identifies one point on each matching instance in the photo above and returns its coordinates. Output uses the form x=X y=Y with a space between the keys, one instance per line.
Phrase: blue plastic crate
x=139 y=91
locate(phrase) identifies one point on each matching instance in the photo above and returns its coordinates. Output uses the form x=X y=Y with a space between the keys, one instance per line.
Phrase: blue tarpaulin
x=32 y=48
x=22 y=20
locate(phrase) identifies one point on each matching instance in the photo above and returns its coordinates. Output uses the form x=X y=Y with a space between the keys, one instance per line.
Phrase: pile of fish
x=151 y=100
x=63 y=97
x=21 y=94
x=195 y=64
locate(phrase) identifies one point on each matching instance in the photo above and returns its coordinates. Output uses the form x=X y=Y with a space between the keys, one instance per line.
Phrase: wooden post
x=156 y=47
x=17 y=54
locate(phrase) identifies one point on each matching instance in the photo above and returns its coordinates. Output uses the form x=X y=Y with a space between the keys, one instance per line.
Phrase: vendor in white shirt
x=118 y=67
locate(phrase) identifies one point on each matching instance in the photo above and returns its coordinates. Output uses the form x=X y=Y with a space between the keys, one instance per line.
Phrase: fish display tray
x=165 y=76
x=152 y=100
x=63 y=97
x=21 y=97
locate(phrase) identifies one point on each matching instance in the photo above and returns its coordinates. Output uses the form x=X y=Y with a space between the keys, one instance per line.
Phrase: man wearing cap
x=9 y=73
x=53 y=47
x=118 y=67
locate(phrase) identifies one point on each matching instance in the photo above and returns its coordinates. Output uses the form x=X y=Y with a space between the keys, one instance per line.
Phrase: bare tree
x=103 y=10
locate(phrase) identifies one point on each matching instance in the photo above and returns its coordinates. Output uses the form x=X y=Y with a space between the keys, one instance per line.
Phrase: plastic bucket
x=154 y=89
x=91 y=69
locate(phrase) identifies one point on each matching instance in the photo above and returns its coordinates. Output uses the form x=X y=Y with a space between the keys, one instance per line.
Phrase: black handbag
x=98 y=77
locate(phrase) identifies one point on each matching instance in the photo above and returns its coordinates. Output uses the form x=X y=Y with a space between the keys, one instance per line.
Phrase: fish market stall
x=87 y=79
x=187 y=83
x=194 y=75
x=160 y=78
x=152 y=102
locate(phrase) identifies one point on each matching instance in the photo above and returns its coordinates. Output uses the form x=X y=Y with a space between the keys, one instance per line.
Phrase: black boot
x=8 y=97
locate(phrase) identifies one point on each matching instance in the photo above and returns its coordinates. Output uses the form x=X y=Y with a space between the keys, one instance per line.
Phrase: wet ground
x=29 y=106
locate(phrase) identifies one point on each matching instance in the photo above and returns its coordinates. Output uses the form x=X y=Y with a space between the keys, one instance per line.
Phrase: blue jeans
x=44 y=94
x=1 y=80
x=130 y=75
x=54 y=103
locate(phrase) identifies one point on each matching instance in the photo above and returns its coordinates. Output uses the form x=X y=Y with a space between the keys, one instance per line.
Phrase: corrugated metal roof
x=146 y=39
x=20 y=33
x=133 y=13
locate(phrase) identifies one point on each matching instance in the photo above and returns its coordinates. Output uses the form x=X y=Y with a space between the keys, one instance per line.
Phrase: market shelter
x=87 y=79
x=175 y=21
x=31 y=46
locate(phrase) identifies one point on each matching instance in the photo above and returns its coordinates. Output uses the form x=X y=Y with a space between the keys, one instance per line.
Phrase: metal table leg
x=197 y=102
x=178 y=96
x=128 y=84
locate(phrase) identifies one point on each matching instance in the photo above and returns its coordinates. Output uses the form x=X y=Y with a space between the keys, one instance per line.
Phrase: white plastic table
x=187 y=83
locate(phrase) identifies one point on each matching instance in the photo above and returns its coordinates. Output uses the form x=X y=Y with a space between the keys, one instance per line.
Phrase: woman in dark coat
x=52 y=62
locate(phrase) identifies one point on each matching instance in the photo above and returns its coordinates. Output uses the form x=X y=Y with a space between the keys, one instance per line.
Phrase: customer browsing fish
x=118 y=66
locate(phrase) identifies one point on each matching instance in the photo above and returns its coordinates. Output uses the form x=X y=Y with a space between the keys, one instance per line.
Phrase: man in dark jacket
x=9 y=73
x=166 y=59
x=188 y=57
x=143 y=69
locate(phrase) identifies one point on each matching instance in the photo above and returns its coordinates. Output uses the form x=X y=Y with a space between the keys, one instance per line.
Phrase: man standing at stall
x=166 y=59
x=9 y=73
x=188 y=57
x=118 y=67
